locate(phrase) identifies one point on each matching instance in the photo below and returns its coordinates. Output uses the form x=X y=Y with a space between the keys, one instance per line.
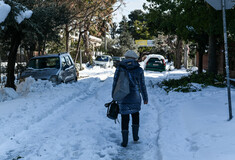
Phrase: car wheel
x=75 y=78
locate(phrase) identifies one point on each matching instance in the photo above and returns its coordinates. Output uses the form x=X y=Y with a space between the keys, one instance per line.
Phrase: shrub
x=185 y=84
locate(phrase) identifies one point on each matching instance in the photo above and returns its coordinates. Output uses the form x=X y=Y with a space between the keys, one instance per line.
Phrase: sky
x=130 y=5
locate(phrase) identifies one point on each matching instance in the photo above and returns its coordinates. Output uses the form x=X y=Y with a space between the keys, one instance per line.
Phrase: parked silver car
x=57 y=68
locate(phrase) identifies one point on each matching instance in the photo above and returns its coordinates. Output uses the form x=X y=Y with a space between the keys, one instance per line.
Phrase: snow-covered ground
x=68 y=122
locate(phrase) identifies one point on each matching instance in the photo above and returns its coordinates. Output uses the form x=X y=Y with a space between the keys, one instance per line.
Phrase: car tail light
x=163 y=61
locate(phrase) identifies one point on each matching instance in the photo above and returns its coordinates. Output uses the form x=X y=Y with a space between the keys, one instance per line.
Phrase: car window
x=153 y=60
x=68 y=61
x=101 y=58
x=63 y=62
x=53 y=62
x=47 y=62
x=117 y=58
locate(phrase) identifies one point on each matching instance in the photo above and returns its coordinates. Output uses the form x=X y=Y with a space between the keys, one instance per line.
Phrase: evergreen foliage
x=126 y=40
x=184 y=84
x=191 y=20
x=138 y=26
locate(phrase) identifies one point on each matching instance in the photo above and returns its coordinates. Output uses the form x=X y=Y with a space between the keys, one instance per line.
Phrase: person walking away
x=131 y=104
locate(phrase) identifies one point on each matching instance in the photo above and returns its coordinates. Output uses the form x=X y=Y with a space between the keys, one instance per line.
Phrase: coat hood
x=129 y=64
x=131 y=54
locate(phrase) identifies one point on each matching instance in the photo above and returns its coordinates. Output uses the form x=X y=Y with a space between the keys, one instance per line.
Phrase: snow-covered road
x=68 y=122
x=50 y=117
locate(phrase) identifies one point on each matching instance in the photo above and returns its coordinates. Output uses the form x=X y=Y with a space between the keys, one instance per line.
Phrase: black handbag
x=112 y=110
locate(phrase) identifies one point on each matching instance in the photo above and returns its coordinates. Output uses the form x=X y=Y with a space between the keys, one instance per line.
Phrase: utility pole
x=226 y=60
x=223 y=5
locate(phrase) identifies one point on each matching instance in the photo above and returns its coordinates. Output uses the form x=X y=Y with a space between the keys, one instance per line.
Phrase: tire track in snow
x=158 y=105
x=61 y=135
x=168 y=124
x=106 y=145
x=78 y=136
x=56 y=107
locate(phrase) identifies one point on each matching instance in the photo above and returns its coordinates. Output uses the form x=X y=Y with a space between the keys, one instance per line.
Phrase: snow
x=7 y=94
x=23 y=15
x=68 y=121
x=4 y=9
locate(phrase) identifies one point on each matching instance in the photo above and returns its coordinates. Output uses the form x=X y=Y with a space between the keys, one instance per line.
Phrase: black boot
x=135 y=130
x=124 y=138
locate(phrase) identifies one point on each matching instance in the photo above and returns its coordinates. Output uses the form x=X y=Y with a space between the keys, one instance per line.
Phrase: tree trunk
x=80 y=62
x=186 y=51
x=44 y=47
x=39 y=48
x=15 y=42
x=178 y=54
x=0 y=68
x=31 y=50
x=78 y=47
x=105 y=42
x=201 y=51
x=86 y=40
x=200 y=63
x=212 y=67
x=67 y=38
x=87 y=51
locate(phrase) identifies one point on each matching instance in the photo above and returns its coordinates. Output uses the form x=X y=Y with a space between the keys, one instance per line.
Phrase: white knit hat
x=131 y=54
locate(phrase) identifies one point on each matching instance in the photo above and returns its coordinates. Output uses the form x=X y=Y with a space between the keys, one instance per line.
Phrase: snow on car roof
x=49 y=55
x=153 y=56
x=103 y=56
x=45 y=56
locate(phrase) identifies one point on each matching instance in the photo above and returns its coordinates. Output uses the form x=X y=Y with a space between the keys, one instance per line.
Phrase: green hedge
x=184 y=84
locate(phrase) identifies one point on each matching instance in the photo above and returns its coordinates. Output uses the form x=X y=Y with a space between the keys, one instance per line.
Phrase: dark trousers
x=126 y=119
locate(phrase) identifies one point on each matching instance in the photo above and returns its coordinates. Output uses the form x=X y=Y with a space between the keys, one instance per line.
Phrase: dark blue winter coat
x=132 y=102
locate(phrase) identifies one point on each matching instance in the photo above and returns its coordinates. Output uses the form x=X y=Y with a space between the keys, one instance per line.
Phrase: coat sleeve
x=143 y=89
x=115 y=78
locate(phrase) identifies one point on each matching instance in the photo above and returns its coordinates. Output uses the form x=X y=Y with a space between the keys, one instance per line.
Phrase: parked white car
x=104 y=61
